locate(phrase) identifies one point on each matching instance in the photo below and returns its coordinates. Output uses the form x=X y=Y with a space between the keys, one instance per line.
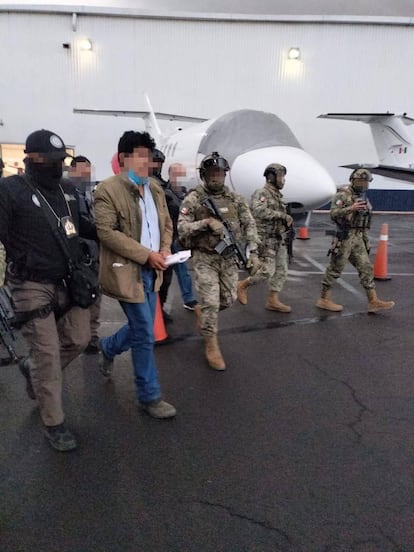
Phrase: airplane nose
x=307 y=181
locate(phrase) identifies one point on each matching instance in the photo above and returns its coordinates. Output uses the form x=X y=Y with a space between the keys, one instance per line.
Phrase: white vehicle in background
x=249 y=140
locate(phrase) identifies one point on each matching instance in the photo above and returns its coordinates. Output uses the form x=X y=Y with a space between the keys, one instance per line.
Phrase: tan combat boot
x=375 y=304
x=213 y=353
x=274 y=304
x=325 y=302
x=197 y=312
x=242 y=291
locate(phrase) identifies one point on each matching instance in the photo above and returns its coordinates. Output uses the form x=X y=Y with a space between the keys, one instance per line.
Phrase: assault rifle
x=7 y=336
x=228 y=246
x=289 y=234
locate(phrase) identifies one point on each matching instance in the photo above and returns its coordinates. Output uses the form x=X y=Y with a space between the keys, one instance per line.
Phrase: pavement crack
x=233 y=513
x=362 y=408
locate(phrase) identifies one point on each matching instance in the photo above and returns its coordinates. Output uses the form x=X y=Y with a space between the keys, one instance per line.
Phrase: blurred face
x=277 y=179
x=215 y=178
x=280 y=180
x=360 y=185
x=139 y=161
x=41 y=159
x=46 y=171
x=176 y=175
x=81 y=170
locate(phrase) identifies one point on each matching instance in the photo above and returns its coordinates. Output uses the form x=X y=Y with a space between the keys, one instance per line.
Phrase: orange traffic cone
x=160 y=333
x=303 y=233
x=381 y=262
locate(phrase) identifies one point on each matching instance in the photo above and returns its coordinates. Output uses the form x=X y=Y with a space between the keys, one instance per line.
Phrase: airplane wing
x=141 y=114
x=365 y=117
x=398 y=173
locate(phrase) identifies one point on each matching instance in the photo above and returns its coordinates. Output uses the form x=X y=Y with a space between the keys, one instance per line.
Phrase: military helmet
x=158 y=156
x=275 y=168
x=361 y=174
x=214 y=160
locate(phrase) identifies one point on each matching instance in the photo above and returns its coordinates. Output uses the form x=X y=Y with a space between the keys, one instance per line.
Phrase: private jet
x=250 y=140
x=393 y=139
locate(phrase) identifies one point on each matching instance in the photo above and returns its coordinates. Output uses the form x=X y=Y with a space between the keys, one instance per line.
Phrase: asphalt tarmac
x=304 y=444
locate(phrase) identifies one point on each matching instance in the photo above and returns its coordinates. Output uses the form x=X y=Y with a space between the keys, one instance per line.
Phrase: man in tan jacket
x=135 y=231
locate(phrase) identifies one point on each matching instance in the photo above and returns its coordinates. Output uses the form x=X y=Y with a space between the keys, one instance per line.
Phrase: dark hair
x=79 y=159
x=132 y=139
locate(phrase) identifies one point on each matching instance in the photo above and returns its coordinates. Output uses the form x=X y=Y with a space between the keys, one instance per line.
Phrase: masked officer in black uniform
x=55 y=330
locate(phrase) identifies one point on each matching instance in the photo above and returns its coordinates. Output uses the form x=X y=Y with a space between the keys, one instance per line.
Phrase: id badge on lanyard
x=69 y=227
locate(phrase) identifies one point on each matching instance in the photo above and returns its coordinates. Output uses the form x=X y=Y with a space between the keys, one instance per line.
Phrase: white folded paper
x=179 y=257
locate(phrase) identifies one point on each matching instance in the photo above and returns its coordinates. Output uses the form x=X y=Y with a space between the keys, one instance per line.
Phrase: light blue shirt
x=150 y=230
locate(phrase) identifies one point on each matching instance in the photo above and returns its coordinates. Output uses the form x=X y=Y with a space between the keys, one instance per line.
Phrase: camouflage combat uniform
x=270 y=215
x=215 y=277
x=351 y=240
x=351 y=212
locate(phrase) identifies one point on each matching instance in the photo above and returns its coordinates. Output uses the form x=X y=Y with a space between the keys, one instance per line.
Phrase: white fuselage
x=308 y=184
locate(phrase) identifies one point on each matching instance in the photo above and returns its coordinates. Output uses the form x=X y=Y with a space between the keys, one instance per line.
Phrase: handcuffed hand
x=216 y=226
x=253 y=264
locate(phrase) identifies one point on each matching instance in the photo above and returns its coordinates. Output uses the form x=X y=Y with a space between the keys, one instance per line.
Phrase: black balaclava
x=45 y=175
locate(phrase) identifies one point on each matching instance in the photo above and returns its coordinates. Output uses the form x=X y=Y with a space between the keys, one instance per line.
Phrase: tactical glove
x=216 y=226
x=253 y=264
x=289 y=220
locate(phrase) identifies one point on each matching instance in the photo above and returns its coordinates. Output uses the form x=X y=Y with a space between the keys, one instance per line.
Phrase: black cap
x=49 y=144
x=158 y=156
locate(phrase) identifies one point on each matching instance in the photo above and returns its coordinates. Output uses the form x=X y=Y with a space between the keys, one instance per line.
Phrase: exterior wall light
x=294 y=53
x=85 y=44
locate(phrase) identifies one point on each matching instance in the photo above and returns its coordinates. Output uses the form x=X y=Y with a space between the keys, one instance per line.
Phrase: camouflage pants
x=215 y=281
x=352 y=249
x=274 y=269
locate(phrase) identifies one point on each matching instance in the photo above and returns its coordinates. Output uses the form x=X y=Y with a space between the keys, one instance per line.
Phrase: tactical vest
x=227 y=205
x=360 y=220
x=271 y=228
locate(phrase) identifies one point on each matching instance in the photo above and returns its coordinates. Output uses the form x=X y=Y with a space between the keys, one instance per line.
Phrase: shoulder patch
x=185 y=211
x=339 y=202
x=262 y=199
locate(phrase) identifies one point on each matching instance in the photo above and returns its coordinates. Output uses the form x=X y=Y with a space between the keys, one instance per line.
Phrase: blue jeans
x=184 y=278
x=138 y=335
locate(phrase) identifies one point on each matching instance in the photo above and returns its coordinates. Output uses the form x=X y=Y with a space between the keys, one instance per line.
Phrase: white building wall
x=201 y=68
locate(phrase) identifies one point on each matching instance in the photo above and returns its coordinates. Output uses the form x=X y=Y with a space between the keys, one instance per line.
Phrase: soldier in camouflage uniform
x=272 y=222
x=215 y=276
x=351 y=212
x=2 y=264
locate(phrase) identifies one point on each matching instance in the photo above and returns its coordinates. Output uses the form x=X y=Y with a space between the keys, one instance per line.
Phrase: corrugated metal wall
x=201 y=68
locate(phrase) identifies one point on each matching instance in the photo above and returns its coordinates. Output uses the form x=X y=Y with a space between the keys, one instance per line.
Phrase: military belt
x=22 y=274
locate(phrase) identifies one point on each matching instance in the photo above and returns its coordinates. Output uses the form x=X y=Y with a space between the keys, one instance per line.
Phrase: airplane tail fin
x=393 y=141
x=151 y=123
